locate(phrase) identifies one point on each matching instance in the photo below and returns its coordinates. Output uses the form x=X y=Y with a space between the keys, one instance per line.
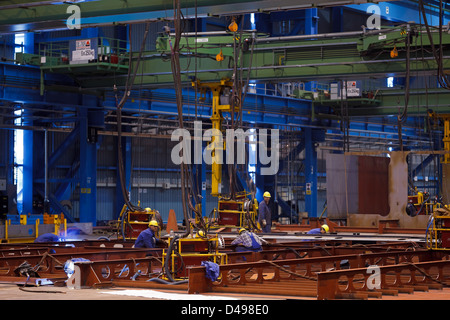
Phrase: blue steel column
x=9 y=138
x=311 y=21
x=337 y=19
x=310 y=173
x=28 y=44
x=311 y=27
x=28 y=161
x=28 y=150
x=88 y=173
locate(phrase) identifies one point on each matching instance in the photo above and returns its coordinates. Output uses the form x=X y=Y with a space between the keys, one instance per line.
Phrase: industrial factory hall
x=225 y=158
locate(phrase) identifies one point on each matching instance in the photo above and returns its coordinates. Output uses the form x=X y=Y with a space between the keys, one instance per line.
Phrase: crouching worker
x=147 y=238
x=247 y=241
x=47 y=237
x=323 y=229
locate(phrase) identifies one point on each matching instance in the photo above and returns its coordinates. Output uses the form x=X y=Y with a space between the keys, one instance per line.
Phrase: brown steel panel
x=373 y=185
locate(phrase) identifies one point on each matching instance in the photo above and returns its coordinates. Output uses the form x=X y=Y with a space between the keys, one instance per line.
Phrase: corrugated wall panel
x=107 y=153
x=105 y=203
x=55 y=140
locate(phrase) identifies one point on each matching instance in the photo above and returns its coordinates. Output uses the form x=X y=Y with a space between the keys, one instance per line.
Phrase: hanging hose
x=247 y=204
x=119 y=105
x=162 y=281
x=166 y=267
x=430 y=223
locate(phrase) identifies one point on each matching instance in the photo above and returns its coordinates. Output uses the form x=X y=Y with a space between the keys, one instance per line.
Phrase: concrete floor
x=13 y=292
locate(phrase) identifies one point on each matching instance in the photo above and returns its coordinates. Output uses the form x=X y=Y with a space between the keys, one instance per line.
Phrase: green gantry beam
x=303 y=60
x=392 y=101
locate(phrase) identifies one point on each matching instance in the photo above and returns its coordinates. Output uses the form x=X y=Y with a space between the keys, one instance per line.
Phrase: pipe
x=168 y=256
x=46 y=171
x=162 y=281
x=309 y=36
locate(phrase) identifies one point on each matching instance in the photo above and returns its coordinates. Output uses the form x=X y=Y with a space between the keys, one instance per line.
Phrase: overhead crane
x=328 y=56
x=331 y=56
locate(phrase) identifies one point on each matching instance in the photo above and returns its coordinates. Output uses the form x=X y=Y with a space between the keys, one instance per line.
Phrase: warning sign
x=83 y=44
x=352 y=89
x=83 y=51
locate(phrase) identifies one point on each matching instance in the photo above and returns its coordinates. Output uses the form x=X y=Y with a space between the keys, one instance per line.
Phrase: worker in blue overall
x=147 y=238
x=323 y=229
x=47 y=237
x=265 y=215
x=247 y=241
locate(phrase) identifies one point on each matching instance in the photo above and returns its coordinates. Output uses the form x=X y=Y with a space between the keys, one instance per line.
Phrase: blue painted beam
x=69 y=141
x=54 y=202
x=28 y=170
x=295 y=151
x=88 y=174
x=286 y=210
x=56 y=206
x=267 y=109
x=422 y=165
x=311 y=137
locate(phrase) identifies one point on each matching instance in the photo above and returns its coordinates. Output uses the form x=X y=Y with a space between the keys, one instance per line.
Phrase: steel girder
x=387 y=102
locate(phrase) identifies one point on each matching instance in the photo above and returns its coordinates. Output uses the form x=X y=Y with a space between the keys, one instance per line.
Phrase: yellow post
x=216 y=121
x=8 y=222
x=65 y=228
x=37 y=227
x=446 y=139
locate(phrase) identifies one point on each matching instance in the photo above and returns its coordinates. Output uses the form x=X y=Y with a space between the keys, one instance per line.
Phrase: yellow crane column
x=216 y=120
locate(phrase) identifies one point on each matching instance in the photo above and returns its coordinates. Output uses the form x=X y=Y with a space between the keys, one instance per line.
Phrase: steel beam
x=299 y=269
x=88 y=173
x=289 y=273
x=418 y=276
